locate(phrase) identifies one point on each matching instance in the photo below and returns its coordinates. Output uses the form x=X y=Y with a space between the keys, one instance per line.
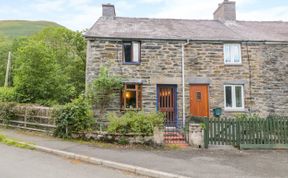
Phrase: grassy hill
x=16 y=28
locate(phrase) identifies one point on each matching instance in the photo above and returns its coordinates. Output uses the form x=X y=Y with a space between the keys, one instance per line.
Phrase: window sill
x=132 y=109
x=231 y=64
x=234 y=110
x=131 y=63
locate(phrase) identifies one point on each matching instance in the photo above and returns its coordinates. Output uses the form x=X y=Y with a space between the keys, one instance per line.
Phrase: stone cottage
x=188 y=67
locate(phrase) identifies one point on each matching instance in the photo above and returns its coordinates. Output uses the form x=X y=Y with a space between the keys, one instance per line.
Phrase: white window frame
x=229 y=55
x=233 y=95
x=135 y=52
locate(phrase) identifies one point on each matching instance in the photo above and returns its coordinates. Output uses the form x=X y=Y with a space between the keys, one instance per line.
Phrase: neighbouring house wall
x=263 y=72
x=206 y=60
x=273 y=79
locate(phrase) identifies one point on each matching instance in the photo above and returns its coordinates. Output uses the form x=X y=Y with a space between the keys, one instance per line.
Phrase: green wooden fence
x=246 y=131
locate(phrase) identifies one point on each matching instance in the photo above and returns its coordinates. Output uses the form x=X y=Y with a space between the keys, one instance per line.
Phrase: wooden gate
x=167 y=103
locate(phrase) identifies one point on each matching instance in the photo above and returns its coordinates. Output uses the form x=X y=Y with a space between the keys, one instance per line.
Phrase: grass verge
x=15 y=143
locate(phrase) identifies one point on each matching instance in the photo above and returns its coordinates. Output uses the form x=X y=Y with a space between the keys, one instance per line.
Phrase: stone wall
x=273 y=79
x=160 y=64
x=206 y=60
x=263 y=72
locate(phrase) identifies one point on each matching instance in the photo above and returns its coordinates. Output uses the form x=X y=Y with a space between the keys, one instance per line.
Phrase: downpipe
x=183 y=83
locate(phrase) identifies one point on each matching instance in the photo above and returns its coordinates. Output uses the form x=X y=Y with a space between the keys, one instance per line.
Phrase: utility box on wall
x=217 y=112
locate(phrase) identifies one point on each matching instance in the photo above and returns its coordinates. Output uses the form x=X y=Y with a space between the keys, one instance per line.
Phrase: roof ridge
x=258 y=21
x=152 y=18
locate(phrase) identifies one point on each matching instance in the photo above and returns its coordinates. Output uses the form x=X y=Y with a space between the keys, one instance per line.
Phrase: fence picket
x=285 y=124
x=222 y=128
x=217 y=131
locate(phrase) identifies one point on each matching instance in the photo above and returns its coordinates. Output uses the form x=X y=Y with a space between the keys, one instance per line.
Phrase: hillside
x=16 y=28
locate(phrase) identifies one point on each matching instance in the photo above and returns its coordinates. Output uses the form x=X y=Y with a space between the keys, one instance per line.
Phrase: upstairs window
x=131 y=97
x=234 y=97
x=232 y=54
x=131 y=52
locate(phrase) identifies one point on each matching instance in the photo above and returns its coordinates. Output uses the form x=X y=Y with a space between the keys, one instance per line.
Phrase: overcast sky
x=81 y=14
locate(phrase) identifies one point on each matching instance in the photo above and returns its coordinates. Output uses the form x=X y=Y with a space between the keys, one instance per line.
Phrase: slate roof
x=179 y=29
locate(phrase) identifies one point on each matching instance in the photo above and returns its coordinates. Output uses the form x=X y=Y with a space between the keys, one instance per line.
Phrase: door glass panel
x=238 y=92
x=228 y=96
x=198 y=96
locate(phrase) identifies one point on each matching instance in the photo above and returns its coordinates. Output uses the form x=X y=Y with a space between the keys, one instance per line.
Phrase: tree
x=50 y=66
x=70 y=54
x=36 y=77
x=103 y=89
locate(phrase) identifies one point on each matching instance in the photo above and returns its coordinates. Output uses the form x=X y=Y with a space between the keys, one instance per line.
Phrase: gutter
x=183 y=82
x=93 y=37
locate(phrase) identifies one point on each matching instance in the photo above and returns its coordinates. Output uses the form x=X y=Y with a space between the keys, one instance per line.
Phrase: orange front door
x=199 y=105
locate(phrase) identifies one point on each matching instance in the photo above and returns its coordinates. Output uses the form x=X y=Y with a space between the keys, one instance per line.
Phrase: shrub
x=7 y=112
x=135 y=122
x=247 y=116
x=7 y=94
x=74 y=117
x=102 y=90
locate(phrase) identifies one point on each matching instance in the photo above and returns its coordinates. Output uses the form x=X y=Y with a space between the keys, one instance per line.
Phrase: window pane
x=228 y=96
x=136 y=46
x=232 y=53
x=236 y=53
x=227 y=57
x=238 y=93
x=130 y=99
x=130 y=86
x=127 y=52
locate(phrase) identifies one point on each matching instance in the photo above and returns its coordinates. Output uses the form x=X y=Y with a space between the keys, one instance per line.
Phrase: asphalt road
x=22 y=163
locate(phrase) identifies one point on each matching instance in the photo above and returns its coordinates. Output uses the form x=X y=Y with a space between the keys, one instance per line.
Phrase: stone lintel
x=198 y=80
x=165 y=80
x=235 y=82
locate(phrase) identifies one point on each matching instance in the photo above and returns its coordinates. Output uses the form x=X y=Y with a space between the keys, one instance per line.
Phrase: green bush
x=247 y=116
x=7 y=112
x=103 y=90
x=74 y=117
x=135 y=122
x=7 y=94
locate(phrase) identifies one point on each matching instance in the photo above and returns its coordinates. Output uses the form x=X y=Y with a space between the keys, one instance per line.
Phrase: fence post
x=206 y=133
x=237 y=133
x=25 y=118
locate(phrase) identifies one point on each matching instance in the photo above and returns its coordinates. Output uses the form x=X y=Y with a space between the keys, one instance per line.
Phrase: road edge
x=106 y=163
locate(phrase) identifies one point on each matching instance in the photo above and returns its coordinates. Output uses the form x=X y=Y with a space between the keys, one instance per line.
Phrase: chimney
x=108 y=10
x=226 y=11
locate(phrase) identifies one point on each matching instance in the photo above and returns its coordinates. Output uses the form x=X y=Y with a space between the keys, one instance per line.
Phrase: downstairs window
x=131 y=97
x=234 y=97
